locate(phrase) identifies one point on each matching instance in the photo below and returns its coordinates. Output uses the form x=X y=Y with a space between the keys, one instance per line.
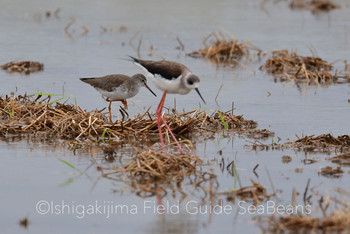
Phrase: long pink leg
x=159 y=114
x=159 y=117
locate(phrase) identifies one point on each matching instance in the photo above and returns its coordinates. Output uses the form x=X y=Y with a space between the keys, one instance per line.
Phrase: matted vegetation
x=33 y=115
x=321 y=143
x=341 y=159
x=331 y=172
x=254 y=193
x=336 y=222
x=151 y=173
x=223 y=49
x=324 y=142
x=315 y=6
x=316 y=213
x=25 y=67
x=288 y=66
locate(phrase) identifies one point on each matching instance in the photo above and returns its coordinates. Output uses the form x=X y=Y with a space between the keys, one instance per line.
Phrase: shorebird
x=170 y=77
x=118 y=87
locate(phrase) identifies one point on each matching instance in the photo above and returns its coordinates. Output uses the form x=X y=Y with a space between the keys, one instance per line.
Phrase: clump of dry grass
x=254 y=193
x=315 y=6
x=341 y=159
x=24 y=114
x=318 y=214
x=286 y=159
x=148 y=166
x=289 y=66
x=223 y=50
x=336 y=222
x=331 y=172
x=25 y=67
x=153 y=173
x=260 y=134
x=324 y=143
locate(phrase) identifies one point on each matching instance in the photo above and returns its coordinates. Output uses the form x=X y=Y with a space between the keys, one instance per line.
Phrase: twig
x=182 y=47
x=217 y=94
x=254 y=170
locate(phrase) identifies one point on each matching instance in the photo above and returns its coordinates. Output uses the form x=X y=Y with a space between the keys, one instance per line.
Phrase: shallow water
x=31 y=172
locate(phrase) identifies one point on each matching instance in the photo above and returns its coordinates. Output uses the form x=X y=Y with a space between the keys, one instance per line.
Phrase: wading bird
x=170 y=77
x=118 y=87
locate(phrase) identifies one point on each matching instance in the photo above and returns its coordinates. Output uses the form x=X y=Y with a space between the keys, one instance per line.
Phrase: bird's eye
x=190 y=82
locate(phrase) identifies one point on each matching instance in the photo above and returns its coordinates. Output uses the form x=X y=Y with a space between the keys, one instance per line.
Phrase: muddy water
x=32 y=172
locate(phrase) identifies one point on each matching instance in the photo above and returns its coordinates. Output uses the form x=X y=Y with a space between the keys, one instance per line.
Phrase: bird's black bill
x=150 y=90
x=197 y=90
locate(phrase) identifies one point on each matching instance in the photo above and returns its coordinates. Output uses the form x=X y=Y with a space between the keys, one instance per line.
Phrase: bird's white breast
x=171 y=86
x=120 y=92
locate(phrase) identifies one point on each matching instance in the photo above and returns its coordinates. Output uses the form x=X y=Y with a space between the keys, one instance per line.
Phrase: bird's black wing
x=167 y=69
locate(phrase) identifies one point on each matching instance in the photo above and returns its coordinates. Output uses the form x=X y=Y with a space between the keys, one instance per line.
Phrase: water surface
x=31 y=172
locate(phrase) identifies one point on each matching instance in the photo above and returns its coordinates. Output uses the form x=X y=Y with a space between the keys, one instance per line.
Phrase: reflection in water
x=177 y=223
x=70 y=44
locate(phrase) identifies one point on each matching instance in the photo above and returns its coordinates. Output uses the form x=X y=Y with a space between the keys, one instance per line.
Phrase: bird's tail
x=131 y=59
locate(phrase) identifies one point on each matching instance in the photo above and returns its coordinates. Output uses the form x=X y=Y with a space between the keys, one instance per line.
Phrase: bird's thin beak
x=197 y=90
x=150 y=90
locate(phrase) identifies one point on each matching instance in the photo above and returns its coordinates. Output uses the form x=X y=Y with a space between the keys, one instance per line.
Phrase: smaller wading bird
x=118 y=87
x=170 y=77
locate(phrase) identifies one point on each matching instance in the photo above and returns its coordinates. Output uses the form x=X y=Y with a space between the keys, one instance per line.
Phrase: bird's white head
x=191 y=81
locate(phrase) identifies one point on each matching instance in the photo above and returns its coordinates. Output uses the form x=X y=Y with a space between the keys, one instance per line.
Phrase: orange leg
x=110 y=109
x=125 y=103
x=159 y=119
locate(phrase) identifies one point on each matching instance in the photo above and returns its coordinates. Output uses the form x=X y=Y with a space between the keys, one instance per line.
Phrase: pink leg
x=160 y=118
x=171 y=133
